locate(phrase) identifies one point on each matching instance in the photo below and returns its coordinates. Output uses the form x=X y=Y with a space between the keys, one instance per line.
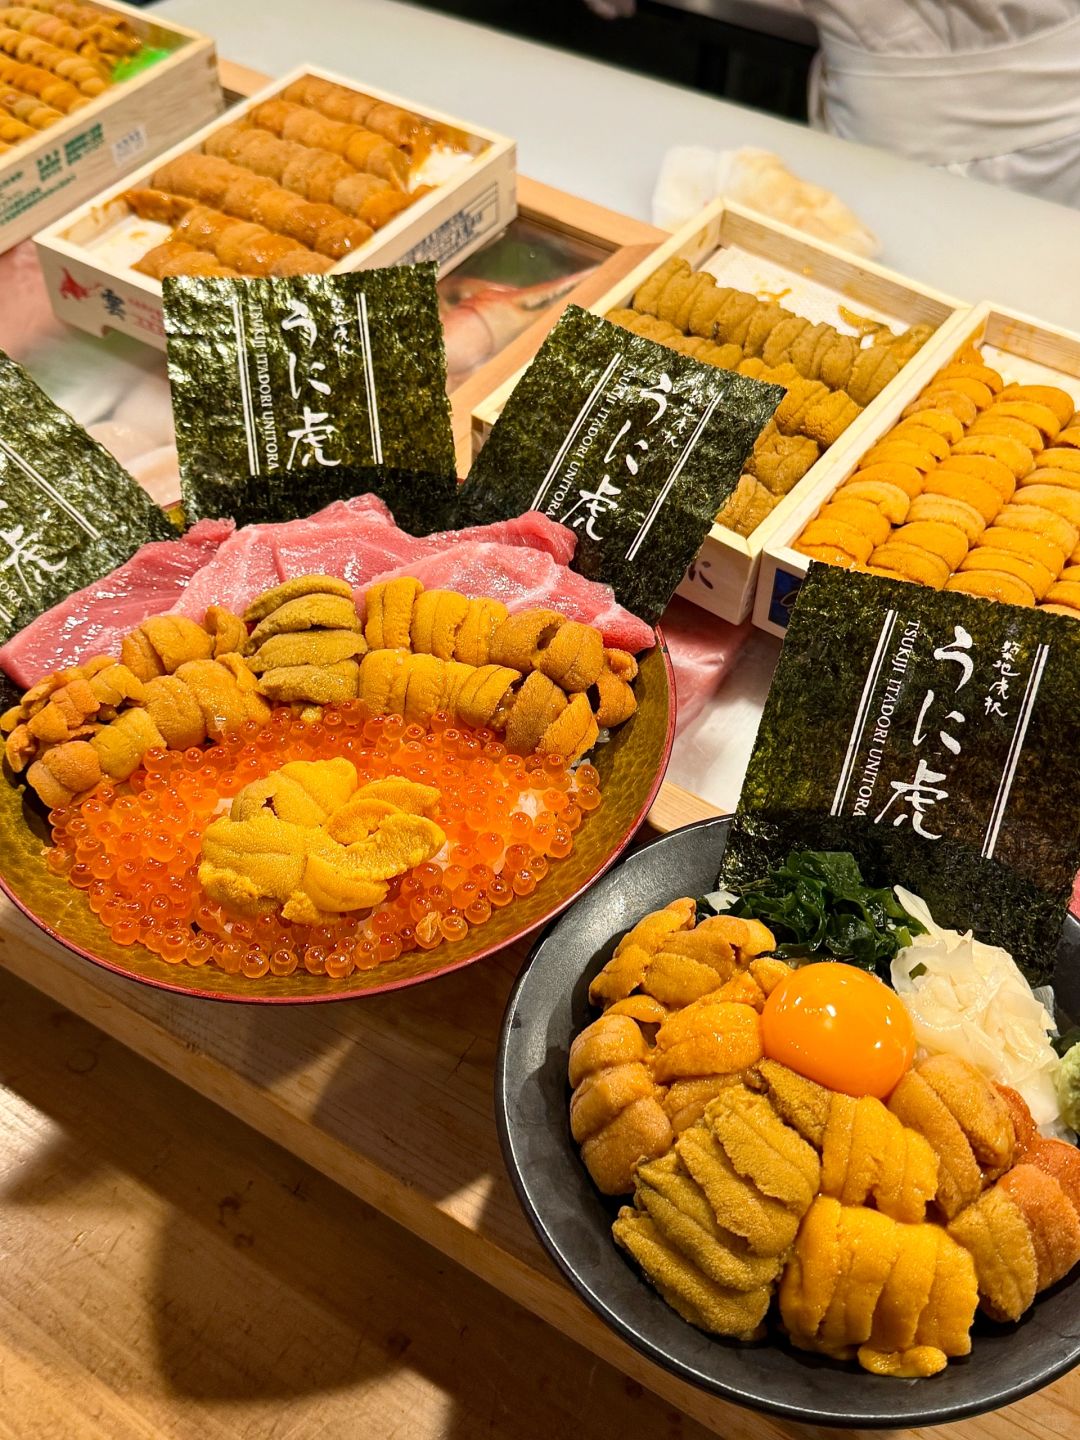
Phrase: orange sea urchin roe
x=134 y=848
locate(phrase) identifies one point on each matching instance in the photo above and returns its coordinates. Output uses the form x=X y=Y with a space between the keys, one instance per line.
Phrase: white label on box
x=471 y=222
x=129 y=146
x=51 y=170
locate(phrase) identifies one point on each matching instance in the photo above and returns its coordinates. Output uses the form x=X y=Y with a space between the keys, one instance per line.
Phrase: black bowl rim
x=903 y=1415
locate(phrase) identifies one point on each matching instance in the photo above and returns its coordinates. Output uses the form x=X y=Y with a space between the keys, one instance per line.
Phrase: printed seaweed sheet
x=69 y=513
x=288 y=394
x=937 y=737
x=630 y=444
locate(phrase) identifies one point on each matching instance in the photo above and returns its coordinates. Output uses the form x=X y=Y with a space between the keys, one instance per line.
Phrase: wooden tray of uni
x=813 y=279
x=88 y=255
x=133 y=120
x=1022 y=349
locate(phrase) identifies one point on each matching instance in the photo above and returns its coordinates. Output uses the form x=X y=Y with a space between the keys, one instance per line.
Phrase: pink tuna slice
x=523 y=578
x=94 y=620
x=354 y=539
x=258 y=557
x=522 y=561
x=243 y=567
x=533 y=530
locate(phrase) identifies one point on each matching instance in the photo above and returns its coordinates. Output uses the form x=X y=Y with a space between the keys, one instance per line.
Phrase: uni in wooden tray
x=763 y=274
x=74 y=109
x=311 y=174
x=975 y=470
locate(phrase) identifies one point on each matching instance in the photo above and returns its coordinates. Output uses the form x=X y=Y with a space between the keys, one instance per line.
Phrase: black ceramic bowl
x=548 y=1007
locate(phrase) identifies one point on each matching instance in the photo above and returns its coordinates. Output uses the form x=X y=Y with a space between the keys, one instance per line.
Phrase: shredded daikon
x=970 y=999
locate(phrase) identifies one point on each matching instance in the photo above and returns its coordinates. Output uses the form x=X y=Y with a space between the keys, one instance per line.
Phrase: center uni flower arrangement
x=319 y=791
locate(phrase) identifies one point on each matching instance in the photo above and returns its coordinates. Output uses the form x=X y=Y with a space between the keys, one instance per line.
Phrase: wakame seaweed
x=632 y=445
x=936 y=737
x=69 y=513
x=288 y=394
x=817 y=904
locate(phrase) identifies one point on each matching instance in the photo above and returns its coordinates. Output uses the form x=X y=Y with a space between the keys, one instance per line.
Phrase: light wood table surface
x=170 y=1274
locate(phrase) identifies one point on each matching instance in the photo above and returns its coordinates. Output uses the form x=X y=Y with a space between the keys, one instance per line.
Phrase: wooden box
x=621 y=242
x=87 y=256
x=1021 y=348
x=766 y=257
x=134 y=120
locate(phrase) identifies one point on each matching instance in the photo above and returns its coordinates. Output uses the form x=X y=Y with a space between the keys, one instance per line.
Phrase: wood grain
x=391 y=1098
x=170 y=1273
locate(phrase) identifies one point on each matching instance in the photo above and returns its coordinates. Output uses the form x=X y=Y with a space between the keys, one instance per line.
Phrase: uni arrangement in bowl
x=842 y=1111
x=325 y=781
x=291 y=754
x=868 y=1164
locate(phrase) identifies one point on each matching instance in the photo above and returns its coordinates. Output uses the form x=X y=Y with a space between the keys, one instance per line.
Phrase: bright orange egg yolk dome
x=840 y=1026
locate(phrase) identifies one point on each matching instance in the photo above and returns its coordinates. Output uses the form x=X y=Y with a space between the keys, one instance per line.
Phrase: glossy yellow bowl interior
x=631 y=766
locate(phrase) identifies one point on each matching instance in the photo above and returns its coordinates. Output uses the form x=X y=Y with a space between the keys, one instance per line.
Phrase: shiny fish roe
x=133 y=848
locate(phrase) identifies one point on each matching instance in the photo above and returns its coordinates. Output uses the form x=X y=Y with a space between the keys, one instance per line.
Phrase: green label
x=630 y=444
x=68 y=512
x=937 y=737
x=290 y=393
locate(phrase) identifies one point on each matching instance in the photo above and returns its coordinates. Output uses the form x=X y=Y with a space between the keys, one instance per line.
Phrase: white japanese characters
x=312 y=438
x=926 y=789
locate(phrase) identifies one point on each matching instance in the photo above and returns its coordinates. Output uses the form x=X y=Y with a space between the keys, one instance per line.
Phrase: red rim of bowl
x=403 y=984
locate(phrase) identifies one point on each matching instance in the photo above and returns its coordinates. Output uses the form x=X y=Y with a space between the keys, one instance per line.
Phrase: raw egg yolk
x=840 y=1026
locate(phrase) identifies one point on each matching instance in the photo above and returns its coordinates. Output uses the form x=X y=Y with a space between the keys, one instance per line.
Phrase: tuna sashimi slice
x=522 y=578
x=258 y=557
x=349 y=543
x=94 y=620
x=354 y=539
x=243 y=567
x=533 y=530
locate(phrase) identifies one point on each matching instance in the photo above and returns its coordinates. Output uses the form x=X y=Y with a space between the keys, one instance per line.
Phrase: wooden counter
x=169 y=1273
x=391 y=1097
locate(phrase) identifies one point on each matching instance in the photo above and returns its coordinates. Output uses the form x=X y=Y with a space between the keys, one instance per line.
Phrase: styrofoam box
x=87 y=257
x=46 y=174
x=812 y=278
x=1024 y=350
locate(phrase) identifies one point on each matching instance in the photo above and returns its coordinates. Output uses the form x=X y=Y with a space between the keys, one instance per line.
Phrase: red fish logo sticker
x=71 y=289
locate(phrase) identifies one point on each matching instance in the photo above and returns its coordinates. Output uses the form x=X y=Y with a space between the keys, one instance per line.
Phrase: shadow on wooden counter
x=170 y=1272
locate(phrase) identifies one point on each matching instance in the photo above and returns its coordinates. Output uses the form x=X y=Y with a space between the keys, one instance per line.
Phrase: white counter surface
x=600 y=132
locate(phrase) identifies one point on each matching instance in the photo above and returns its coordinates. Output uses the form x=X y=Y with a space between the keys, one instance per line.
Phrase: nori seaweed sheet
x=69 y=513
x=288 y=394
x=632 y=445
x=895 y=710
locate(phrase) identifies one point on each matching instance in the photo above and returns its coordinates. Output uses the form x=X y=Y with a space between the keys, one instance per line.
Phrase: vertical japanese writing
x=926 y=788
x=311 y=438
x=1023 y=720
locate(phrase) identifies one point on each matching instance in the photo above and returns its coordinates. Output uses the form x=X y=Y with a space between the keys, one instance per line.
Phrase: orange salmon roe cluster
x=134 y=848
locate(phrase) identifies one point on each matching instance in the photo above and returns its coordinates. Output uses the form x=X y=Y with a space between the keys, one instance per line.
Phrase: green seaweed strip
x=288 y=394
x=632 y=445
x=68 y=512
x=935 y=736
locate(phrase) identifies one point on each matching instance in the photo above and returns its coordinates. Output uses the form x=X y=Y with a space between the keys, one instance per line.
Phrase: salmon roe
x=133 y=848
